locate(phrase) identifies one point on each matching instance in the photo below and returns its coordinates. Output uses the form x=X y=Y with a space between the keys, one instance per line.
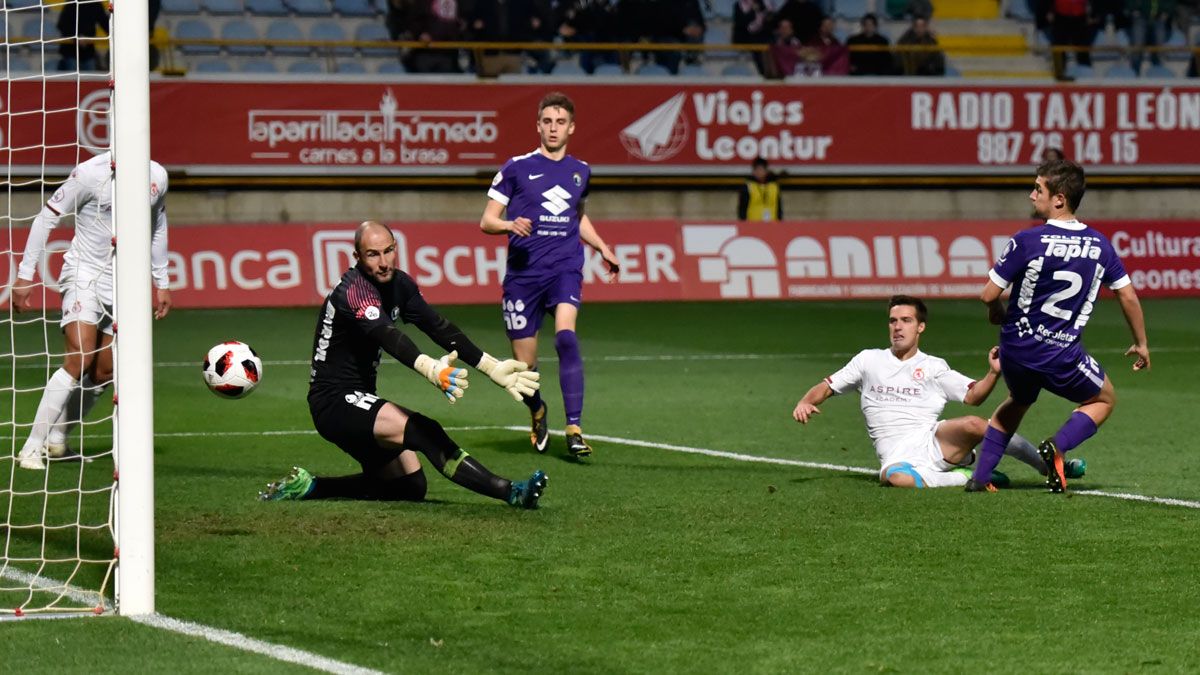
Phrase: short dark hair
x=557 y=99
x=869 y=16
x=910 y=301
x=1064 y=177
x=759 y=161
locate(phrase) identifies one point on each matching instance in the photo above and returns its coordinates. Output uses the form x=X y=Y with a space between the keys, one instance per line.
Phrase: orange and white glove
x=450 y=380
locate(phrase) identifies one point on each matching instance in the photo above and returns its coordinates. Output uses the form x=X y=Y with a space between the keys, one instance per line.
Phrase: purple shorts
x=1077 y=379
x=528 y=299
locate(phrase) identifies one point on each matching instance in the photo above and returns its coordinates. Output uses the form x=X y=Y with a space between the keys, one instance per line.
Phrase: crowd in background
x=1075 y=24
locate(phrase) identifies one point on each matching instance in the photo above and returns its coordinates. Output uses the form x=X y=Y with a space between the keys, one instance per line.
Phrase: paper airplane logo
x=660 y=133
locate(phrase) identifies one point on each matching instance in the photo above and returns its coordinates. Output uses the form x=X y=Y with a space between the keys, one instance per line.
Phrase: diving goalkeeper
x=356 y=321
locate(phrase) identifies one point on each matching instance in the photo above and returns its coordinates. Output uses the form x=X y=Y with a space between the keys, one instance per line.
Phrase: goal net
x=60 y=507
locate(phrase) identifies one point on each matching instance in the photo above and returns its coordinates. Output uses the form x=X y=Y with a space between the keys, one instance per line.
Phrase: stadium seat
x=720 y=9
x=1120 y=71
x=952 y=71
x=18 y=64
x=286 y=29
x=1158 y=72
x=195 y=29
x=1019 y=10
x=694 y=70
x=266 y=8
x=608 y=69
x=373 y=32
x=719 y=34
x=391 y=67
x=307 y=66
x=568 y=67
x=1078 y=72
x=258 y=66
x=354 y=8
x=239 y=29
x=350 y=66
x=852 y=10
x=21 y=4
x=180 y=6
x=739 y=70
x=309 y=7
x=212 y=66
x=42 y=28
x=651 y=70
x=1109 y=38
x=223 y=7
x=328 y=31
x=1176 y=41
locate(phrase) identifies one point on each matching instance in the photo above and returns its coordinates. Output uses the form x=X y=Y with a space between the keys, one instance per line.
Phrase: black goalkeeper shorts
x=347 y=419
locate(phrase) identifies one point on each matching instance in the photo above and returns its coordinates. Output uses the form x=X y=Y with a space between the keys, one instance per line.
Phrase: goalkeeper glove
x=452 y=381
x=515 y=376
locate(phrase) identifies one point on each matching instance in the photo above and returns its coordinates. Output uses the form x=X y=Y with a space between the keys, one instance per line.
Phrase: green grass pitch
x=648 y=559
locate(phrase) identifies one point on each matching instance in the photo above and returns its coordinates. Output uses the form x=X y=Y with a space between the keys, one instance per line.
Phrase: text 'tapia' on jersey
x=550 y=194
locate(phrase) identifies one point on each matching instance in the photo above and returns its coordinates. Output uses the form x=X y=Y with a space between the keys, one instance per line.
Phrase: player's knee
x=903 y=475
x=566 y=341
x=410 y=488
x=977 y=426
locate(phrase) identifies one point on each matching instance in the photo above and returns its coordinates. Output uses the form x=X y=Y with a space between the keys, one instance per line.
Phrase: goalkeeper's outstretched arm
x=807 y=407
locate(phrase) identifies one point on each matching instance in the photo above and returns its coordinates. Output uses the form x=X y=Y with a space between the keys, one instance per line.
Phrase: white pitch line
x=83 y=597
x=249 y=644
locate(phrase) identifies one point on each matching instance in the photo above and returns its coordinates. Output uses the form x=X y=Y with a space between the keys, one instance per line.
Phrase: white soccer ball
x=232 y=369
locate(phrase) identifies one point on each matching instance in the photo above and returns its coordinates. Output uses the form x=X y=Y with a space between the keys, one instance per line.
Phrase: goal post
x=133 y=427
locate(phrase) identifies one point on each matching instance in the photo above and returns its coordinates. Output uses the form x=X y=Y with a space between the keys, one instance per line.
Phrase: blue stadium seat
x=719 y=34
x=354 y=8
x=309 y=7
x=239 y=29
x=693 y=70
x=286 y=29
x=195 y=29
x=652 y=70
x=740 y=69
x=1120 y=71
x=391 y=67
x=1177 y=41
x=266 y=8
x=853 y=10
x=18 y=64
x=180 y=7
x=952 y=71
x=21 y=4
x=32 y=26
x=223 y=7
x=568 y=67
x=608 y=69
x=373 y=32
x=721 y=9
x=258 y=66
x=212 y=66
x=1158 y=72
x=350 y=66
x=328 y=31
x=307 y=66
x=1078 y=72
x=1109 y=38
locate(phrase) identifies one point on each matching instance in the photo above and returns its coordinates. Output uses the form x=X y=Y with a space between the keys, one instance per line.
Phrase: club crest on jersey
x=1008 y=248
x=918 y=374
x=578 y=180
x=395 y=313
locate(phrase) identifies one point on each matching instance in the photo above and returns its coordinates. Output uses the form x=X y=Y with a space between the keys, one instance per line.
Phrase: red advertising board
x=390 y=128
x=297 y=264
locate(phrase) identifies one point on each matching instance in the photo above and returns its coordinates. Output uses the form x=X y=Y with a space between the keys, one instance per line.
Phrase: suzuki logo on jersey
x=1069 y=248
x=556 y=201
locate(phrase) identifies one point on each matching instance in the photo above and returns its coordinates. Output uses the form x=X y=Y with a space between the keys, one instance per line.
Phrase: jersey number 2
x=1051 y=307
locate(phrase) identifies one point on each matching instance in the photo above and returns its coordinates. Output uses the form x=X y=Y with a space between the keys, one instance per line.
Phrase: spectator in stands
x=752 y=26
x=831 y=55
x=759 y=198
x=426 y=21
x=909 y=9
x=78 y=23
x=787 y=52
x=591 y=21
x=664 y=21
x=877 y=61
x=1185 y=13
x=1069 y=27
x=1149 y=26
x=804 y=15
x=922 y=62
x=512 y=21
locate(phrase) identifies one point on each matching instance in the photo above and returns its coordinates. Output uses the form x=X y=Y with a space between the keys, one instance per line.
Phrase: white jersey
x=899 y=398
x=87 y=195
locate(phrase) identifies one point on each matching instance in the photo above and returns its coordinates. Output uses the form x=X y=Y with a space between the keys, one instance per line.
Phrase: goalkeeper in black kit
x=356 y=323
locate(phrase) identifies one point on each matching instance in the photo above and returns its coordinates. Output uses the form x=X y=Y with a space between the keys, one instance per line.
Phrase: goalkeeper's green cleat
x=526 y=493
x=296 y=485
x=999 y=478
x=1075 y=468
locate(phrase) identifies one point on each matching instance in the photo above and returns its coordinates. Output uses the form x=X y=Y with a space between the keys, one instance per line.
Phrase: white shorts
x=85 y=305
x=920 y=448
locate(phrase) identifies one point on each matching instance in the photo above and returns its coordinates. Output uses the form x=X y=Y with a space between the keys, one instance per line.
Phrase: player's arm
x=514 y=376
x=991 y=298
x=807 y=407
x=493 y=221
x=158 y=263
x=979 y=390
x=441 y=373
x=67 y=199
x=587 y=232
x=1131 y=307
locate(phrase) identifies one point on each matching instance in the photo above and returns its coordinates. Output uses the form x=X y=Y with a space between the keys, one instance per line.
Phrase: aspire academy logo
x=660 y=133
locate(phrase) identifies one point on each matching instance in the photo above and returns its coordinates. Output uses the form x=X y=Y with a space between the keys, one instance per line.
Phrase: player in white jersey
x=903 y=392
x=86 y=283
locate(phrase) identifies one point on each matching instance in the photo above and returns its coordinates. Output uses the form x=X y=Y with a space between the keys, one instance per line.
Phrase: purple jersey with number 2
x=1055 y=270
x=549 y=193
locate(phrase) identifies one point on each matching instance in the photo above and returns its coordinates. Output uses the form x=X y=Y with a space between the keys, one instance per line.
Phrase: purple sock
x=570 y=374
x=990 y=452
x=1077 y=429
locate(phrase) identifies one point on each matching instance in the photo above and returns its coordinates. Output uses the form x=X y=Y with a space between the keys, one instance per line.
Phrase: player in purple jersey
x=1056 y=270
x=542 y=194
x=356 y=323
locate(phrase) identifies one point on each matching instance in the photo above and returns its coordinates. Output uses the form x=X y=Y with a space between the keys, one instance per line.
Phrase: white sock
x=1020 y=448
x=82 y=399
x=937 y=479
x=54 y=398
